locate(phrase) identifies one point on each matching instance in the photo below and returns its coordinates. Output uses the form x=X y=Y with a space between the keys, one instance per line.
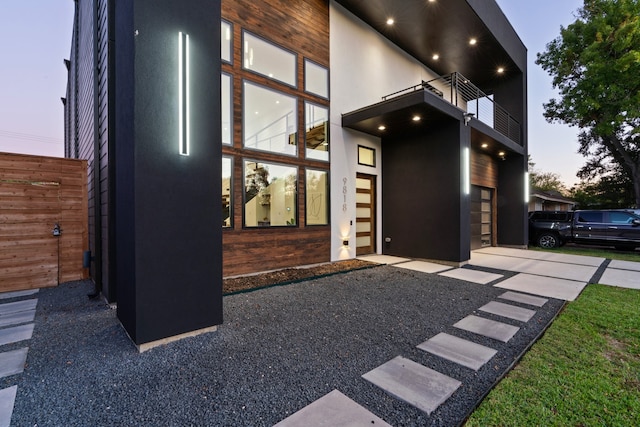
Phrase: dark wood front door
x=365 y=214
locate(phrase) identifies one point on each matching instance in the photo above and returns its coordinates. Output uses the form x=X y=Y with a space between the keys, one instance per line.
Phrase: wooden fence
x=39 y=195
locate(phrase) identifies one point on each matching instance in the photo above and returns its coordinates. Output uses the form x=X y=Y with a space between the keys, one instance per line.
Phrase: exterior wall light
x=345 y=243
x=526 y=188
x=467 y=118
x=466 y=176
x=183 y=93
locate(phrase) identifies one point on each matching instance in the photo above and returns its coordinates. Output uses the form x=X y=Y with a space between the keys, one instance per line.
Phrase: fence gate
x=43 y=221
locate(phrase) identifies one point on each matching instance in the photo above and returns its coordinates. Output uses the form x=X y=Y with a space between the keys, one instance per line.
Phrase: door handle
x=612 y=228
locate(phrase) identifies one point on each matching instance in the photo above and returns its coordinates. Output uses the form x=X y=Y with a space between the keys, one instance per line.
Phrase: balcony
x=459 y=91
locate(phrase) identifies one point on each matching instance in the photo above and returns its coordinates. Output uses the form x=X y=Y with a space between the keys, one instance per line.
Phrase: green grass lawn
x=585 y=370
x=594 y=251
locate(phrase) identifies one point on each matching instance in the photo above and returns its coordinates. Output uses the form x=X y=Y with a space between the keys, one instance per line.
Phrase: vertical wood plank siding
x=301 y=26
x=484 y=170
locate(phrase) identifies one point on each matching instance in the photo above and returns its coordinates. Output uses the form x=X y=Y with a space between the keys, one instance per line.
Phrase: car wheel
x=548 y=241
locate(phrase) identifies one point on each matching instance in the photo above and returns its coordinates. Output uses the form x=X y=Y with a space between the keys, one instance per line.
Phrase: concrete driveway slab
x=543 y=256
x=621 y=278
x=625 y=265
x=475 y=276
x=423 y=266
x=544 y=286
x=383 y=259
x=538 y=267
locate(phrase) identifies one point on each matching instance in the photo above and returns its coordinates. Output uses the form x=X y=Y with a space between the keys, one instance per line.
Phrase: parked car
x=618 y=228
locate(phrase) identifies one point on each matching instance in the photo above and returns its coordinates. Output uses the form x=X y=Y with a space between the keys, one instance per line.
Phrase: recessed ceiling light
x=390 y=21
x=500 y=70
x=484 y=145
x=435 y=56
x=501 y=154
x=473 y=41
x=382 y=127
x=416 y=118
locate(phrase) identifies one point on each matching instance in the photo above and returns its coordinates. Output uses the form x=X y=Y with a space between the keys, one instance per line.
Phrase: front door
x=481 y=217
x=365 y=214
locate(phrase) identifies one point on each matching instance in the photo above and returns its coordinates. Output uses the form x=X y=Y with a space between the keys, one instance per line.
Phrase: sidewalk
x=279 y=350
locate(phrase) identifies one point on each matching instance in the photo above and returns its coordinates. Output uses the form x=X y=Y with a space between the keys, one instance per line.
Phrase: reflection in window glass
x=317 y=194
x=269 y=60
x=316 y=79
x=226 y=107
x=227 y=167
x=225 y=41
x=316 y=131
x=269 y=194
x=270 y=120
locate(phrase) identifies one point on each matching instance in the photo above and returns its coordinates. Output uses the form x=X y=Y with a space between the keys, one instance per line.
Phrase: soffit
x=444 y=27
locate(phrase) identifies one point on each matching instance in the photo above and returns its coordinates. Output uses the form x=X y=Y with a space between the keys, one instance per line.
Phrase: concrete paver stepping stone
x=18 y=294
x=17 y=318
x=16 y=333
x=383 y=259
x=524 y=298
x=413 y=383
x=621 y=278
x=508 y=310
x=543 y=286
x=458 y=350
x=12 y=362
x=488 y=328
x=7 y=400
x=474 y=276
x=17 y=306
x=423 y=266
x=333 y=409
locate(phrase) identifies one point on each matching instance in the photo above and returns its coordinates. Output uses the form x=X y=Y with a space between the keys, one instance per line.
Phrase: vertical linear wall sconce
x=526 y=187
x=183 y=93
x=466 y=177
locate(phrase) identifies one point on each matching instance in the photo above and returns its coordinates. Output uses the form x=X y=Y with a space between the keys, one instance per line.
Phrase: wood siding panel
x=484 y=170
x=35 y=194
x=300 y=26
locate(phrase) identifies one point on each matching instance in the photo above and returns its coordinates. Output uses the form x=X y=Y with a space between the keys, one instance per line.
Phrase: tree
x=545 y=181
x=595 y=65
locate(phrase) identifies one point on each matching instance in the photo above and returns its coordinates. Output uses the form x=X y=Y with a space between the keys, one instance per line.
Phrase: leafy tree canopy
x=595 y=65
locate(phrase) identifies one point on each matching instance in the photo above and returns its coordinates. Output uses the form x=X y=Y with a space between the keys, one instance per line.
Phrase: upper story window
x=226 y=107
x=270 y=194
x=316 y=131
x=267 y=59
x=270 y=120
x=226 y=41
x=316 y=79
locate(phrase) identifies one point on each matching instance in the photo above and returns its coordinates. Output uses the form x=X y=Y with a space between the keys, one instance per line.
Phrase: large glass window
x=316 y=79
x=227 y=109
x=316 y=131
x=270 y=120
x=317 y=194
x=267 y=59
x=226 y=41
x=269 y=194
x=227 y=169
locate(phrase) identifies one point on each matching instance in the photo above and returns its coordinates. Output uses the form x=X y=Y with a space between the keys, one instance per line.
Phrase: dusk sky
x=35 y=37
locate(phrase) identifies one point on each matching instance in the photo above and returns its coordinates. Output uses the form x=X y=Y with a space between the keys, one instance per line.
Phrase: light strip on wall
x=526 y=187
x=466 y=176
x=183 y=93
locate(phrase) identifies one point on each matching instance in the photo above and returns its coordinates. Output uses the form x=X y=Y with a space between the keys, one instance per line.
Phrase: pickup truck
x=618 y=228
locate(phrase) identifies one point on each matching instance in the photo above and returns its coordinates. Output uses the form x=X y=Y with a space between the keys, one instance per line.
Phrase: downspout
x=97 y=197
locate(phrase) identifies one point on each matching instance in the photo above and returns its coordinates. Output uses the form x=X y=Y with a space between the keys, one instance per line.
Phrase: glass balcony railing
x=459 y=91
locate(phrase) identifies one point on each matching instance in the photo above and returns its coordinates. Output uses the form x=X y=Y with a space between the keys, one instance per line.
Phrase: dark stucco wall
x=424 y=211
x=168 y=234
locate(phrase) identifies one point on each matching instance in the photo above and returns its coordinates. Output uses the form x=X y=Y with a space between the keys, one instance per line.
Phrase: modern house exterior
x=232 y=137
